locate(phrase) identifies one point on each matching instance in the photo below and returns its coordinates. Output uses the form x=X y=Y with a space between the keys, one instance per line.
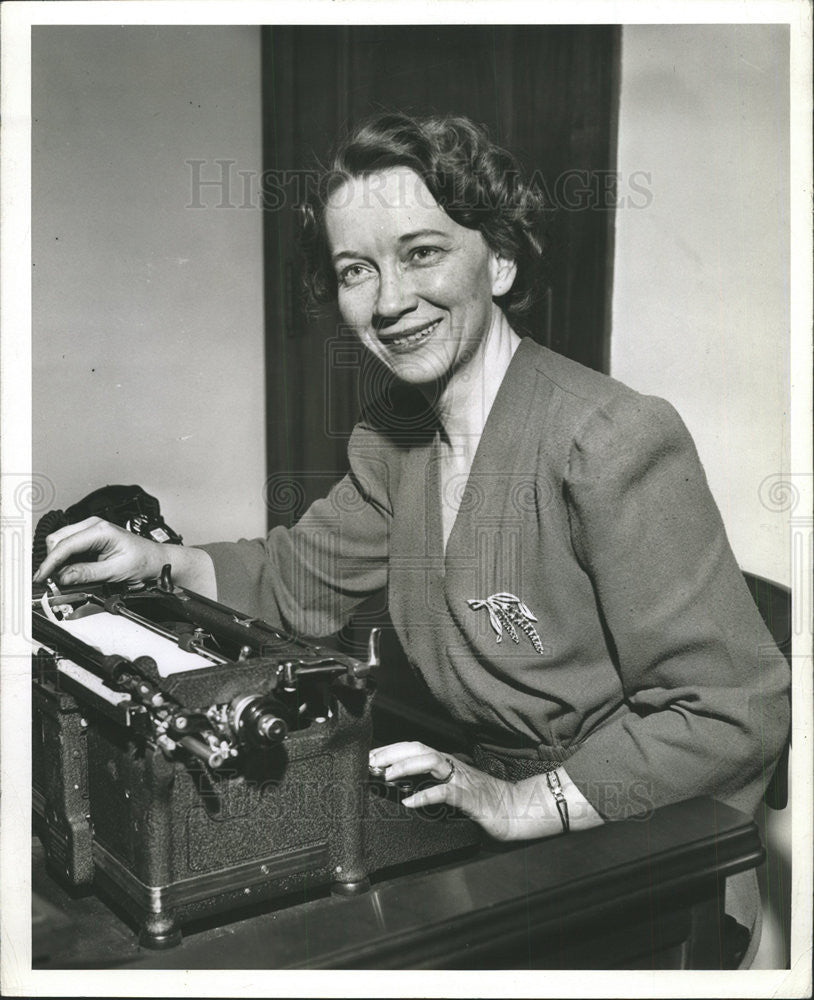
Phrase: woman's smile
x=404 y=341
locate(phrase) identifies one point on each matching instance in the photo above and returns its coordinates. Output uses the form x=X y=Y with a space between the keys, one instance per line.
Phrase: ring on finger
x=445 y=781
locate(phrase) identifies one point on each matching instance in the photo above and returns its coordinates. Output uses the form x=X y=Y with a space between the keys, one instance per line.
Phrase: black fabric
x=511 y=765
x=121 y=505
x=48 y=523
x=736 y=939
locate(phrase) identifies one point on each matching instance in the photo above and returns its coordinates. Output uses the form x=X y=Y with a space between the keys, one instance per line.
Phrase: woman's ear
x=503 y=272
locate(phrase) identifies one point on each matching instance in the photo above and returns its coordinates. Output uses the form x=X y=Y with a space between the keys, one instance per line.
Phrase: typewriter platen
x=190 y=760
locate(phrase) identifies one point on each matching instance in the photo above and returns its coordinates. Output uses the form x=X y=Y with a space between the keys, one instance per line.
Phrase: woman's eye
x=425 y=255
x=352 y=274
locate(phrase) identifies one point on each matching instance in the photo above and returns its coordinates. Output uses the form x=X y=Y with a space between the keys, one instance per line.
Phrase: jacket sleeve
x=706 y=686
x=309 y=578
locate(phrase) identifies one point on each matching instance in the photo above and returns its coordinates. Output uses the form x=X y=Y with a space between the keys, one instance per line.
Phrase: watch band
x=559 y=797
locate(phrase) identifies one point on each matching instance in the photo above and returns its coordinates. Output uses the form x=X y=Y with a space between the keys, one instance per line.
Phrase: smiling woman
x=556 y=567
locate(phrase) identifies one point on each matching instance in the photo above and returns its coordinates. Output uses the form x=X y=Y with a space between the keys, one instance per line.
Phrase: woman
x=557 y=569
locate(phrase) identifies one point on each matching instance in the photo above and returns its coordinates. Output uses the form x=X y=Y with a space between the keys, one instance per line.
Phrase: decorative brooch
x=508 y=612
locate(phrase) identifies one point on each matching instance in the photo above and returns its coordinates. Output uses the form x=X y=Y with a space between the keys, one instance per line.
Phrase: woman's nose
x=395 y=297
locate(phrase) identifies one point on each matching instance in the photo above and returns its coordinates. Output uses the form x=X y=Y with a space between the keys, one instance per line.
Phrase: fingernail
x=69 y=576
x=408 y=801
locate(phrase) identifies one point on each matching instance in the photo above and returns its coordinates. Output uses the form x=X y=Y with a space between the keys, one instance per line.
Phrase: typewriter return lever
x=373 y=644
x=345 y=668
x=358 y=672
x=165 y=580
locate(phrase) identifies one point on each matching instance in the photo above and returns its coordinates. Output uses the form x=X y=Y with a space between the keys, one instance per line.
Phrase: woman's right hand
x=121 y=556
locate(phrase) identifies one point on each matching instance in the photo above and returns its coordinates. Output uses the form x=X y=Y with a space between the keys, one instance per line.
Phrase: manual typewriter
x=189 y=760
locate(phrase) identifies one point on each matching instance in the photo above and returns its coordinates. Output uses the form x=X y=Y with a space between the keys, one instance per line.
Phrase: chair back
x=774 y=604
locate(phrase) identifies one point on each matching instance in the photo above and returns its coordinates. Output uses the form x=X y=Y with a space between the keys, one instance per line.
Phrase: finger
x=86 y=573
x=422 y=764
x=384 y=756
x=89 y=539
x=436 y=795
x=491 y=811
x=57 y=536
x=53 y=540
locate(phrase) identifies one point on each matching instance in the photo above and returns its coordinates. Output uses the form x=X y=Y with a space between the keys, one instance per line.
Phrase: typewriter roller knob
x=254 y=721
x=271 y=728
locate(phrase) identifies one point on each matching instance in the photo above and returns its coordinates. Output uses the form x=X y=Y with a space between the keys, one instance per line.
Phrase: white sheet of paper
x=113 y=634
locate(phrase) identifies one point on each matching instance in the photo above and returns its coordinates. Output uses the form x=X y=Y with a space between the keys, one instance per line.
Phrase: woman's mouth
x=411 y=339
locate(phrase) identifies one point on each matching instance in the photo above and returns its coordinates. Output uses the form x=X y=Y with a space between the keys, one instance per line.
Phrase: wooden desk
x=637 y=894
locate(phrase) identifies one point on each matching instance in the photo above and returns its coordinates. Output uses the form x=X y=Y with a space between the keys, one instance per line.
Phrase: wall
x=700 y=300
x=148 y=314
x=700 y=304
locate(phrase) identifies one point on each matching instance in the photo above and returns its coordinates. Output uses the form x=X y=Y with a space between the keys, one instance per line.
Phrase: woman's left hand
x=487 y=800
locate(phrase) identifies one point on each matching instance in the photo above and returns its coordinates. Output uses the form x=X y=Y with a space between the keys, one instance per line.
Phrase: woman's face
x=415 y=286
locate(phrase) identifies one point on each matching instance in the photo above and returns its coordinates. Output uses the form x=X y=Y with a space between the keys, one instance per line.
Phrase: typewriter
x=189 y=760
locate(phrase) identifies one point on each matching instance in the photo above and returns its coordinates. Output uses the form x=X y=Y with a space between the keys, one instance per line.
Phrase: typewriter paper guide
x=112 y=634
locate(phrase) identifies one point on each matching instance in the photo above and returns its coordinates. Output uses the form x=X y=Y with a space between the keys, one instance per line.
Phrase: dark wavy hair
x=478 y=184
